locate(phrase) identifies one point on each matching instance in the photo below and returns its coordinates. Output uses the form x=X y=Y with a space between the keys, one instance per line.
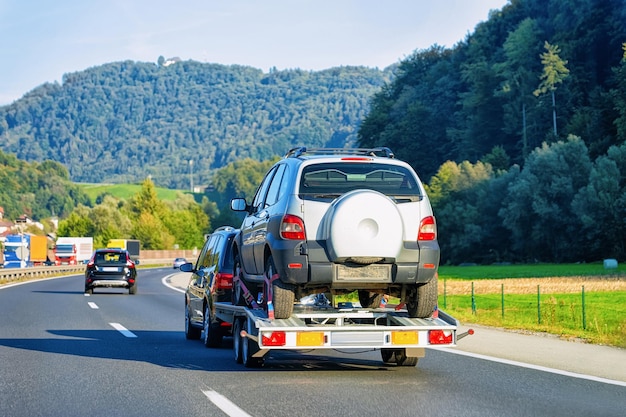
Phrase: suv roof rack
x=380 y=151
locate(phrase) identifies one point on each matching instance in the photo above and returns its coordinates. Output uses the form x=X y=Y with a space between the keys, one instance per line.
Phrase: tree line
x=124 y=121
x=518 y=130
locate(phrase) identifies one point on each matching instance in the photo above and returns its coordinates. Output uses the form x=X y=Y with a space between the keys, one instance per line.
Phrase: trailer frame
x=402 y=340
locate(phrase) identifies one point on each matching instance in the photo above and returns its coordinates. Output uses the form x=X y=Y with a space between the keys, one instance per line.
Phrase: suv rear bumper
x=296 y=267
x=117 y=283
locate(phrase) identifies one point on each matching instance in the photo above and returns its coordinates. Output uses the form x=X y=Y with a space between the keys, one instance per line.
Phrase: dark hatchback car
x=111 y=268
x=211 y=281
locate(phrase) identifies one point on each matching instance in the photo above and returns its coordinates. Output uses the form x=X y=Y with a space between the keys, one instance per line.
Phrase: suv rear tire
x=282 y=294
x=370 y=299
x=423 y=301
x=212 y=331
x=237 y=292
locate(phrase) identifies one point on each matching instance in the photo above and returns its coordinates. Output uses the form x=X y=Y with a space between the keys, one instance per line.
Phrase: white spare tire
x=363 y=224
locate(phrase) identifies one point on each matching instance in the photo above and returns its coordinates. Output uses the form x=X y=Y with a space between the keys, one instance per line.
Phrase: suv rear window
x=330 y=180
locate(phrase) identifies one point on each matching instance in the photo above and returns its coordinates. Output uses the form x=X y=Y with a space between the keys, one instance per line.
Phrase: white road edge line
x=535 y=367
x=167 y=284
x=93 y=305
x=123 y=330
x=225 y=404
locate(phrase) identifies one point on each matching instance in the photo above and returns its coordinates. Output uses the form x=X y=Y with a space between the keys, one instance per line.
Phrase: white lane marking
x=535 y=367
x=225 y=404
x=123 y=330
x=93 y=305
x=87 y=295
x=167 y=284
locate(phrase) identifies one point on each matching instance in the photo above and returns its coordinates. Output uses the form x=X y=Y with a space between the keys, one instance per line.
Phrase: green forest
x=518 y=131
x=125 y=121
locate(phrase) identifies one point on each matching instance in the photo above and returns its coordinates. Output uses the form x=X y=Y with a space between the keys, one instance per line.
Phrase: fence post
x=584 y=312
x=473 y=300
x=502 y=299
x=538 y=305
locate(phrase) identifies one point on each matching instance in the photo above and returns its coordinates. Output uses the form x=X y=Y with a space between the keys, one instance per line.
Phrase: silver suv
x=337 y=220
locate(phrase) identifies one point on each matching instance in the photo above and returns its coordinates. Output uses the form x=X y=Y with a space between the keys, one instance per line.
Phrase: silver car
x=337 y=220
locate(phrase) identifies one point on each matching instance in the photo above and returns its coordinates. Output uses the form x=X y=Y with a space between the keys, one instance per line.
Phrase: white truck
x=73 y=250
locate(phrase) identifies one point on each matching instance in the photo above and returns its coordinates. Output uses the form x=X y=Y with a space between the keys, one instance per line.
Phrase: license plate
x=369 y=273
x=110 y=269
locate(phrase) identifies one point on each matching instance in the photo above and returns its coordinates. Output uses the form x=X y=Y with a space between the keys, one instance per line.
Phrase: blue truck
x=17 y=251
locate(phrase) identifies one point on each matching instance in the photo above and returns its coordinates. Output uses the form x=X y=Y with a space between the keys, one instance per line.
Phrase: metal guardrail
x=18 y=274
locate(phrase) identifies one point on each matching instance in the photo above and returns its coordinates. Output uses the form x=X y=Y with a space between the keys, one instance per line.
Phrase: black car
x=211 y=280
x=111 y=268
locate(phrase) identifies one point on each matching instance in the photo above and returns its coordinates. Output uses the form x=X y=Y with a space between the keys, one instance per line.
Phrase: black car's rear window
x=333 y=179
x=110 y=258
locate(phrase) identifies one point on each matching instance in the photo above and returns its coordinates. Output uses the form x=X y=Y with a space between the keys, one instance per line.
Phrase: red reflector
x=274 y=339
x=225 y=324
x=440 y=337
x=294 y=266
x=429 y=266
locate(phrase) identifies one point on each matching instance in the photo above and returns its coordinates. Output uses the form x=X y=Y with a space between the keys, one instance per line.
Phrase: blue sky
x=40 y=40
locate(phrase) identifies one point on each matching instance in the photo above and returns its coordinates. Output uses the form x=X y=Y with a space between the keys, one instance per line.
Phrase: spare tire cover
x=363 y=223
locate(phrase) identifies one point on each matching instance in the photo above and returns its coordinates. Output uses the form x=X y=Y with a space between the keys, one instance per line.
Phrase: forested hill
x=124 y=121
x=497 y=87
x=536 y=71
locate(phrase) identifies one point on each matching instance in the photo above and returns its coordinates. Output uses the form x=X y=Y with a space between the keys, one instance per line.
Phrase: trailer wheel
x=250 y=347
x=370 y=299
x=397 y=357
x=423 y=301
x=282 y=294
x=212 y=331
x=237 y=339
x=191 y=333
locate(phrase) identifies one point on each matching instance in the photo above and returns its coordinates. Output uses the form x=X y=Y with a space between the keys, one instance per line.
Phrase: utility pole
x=191 y=174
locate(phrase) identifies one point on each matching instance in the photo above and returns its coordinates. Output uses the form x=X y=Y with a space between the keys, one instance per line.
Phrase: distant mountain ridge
x=123 y=121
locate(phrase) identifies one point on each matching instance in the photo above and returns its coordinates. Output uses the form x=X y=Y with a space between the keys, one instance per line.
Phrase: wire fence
x=564 y=308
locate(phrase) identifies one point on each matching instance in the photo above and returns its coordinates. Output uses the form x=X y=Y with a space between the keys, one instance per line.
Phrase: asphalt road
x=65 y=354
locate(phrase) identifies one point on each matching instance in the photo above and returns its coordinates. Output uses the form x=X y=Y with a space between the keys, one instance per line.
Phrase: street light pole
x=191 y=174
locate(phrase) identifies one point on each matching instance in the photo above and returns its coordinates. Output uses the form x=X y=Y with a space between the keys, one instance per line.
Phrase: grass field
x=125 y=191
x=542 y=298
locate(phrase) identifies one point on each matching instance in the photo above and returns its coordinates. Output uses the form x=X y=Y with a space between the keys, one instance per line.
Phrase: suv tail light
x=428 y=229
x=292 y=227
x=224 y=280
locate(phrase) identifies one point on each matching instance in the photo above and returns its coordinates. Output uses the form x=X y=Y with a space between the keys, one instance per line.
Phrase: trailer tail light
x=440 y=337
x=224 y=280
x=292 y=228
x=274 y=339
x=404 y=338
x=310 y=339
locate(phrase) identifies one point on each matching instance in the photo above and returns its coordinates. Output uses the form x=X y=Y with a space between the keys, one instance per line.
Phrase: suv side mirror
x=238 y=204
x=187 y=267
